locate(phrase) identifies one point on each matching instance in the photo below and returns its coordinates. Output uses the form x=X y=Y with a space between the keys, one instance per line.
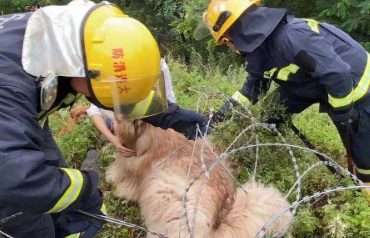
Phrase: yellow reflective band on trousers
x=314 y=25
x=360 y=91
x=142 y=107
x=285 y=72
x=74 y=236
x=72 y=193
x=363 y=171
x=241 y=99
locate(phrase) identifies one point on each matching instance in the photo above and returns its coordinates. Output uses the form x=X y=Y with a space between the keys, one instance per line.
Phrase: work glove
x=74 y=222
x=181 y=120
x=351 y=124
x=223 y=113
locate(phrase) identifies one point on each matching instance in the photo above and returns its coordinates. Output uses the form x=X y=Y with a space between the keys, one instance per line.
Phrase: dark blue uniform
x=313 y=63
x=34 y=177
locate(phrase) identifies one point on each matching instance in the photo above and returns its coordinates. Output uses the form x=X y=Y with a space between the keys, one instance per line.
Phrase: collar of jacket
x=255 y=25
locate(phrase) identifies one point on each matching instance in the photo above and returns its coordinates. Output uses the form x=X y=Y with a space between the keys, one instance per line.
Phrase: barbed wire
x=4 y=234
x=305 y=199
x=121 y=223
x=208 y=93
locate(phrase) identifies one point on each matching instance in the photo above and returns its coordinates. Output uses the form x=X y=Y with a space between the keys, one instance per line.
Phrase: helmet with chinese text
x=220 y=16
x=122 y=63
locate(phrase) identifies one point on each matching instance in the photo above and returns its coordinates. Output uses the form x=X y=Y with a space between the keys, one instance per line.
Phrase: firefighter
x=48 y=59
x=311 y=61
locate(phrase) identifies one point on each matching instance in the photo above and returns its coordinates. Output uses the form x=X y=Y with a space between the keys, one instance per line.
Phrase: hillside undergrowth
x=338 y=215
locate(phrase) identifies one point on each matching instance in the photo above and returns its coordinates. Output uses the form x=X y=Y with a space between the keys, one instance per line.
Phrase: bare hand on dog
x=126 y=151
x=123 y=150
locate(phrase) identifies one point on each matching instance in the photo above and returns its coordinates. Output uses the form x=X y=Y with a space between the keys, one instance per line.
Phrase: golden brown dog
x=77 y=113
x=157 y=177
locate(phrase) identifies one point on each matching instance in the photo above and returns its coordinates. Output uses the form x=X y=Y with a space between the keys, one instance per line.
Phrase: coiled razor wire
x=4 y=234
x=121 y=223
x=206 y=171
x=226 y=154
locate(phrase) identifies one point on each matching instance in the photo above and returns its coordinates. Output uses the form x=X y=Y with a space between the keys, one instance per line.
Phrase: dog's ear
x=140 y=127
x=78 y=110
x=125 y=130
x=73 y=112
x=129 y=131
x=82 y=114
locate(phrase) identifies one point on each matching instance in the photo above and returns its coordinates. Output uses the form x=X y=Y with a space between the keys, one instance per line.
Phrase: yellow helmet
x=221 y=14
x=122 y=63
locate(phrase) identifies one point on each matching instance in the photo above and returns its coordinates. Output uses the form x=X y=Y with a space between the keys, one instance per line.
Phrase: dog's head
x=78 y=113
x=130 y=131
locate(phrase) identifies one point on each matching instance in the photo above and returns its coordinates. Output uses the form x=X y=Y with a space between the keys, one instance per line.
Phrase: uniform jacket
x=313 y=61
x=34 y=177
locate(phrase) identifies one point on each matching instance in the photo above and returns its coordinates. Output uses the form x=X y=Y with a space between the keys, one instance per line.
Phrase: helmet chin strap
x=79 y=85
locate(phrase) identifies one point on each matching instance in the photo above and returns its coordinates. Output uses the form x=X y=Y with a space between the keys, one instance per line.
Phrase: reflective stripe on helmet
x=142 y=107
x=72 y=192
x=241 y=99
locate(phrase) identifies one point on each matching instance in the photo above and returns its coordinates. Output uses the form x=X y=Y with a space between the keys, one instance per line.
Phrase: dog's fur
x=222 y=212
x=77 y=113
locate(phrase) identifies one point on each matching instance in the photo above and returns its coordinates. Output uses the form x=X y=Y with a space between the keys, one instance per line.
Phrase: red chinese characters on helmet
x=119 y=67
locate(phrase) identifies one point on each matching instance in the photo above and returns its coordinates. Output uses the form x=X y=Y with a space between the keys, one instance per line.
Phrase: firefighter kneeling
x=312 y=62
x=47 y=60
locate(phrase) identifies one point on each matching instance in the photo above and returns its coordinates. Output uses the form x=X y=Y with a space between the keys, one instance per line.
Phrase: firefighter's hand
x=188 y=123
x=94 y=204
x=76 y=223
x=181 y=120
x=351 y=124
x=223 y=113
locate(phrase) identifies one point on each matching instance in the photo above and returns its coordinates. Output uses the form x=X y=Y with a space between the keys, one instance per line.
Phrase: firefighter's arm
x=254 y=85
x=246 y=96
x=316 y=55
x=27 y=183
x=181 y=120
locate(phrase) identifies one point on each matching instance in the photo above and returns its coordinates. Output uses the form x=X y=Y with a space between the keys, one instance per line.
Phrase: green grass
x=321 y=131
x=338 y=215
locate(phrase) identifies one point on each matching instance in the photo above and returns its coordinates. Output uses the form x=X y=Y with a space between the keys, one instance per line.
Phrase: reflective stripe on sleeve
x=269 y=74
x=241 y=99
x=74 y=236
x=285 y=72
x=314 y=25
x=72 y=192
x=341 y=102
x=363 y=85
x=360 y=91
x=104 y=209
x=142 y=107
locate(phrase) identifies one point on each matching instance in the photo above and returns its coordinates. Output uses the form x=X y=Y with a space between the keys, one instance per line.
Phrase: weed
x=338 y=215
